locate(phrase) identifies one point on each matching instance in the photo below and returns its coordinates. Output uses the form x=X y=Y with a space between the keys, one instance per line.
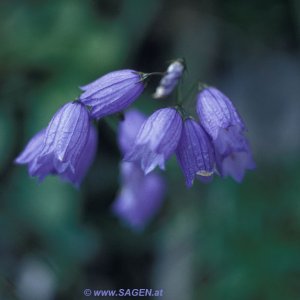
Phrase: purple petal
x=170 y=80
x=140 y=196
x=161 y=131
x=65 y=148
x=150 y=160
x=66 y=137
x=233 y=154
x=223 y=123
x=230 y=140
x=157 y=139
x=41 y=170
x=236 y=164
x=129 y=128
x=216 y=111
x=113 y=92
x=30 y=154
x=113 y=104
x=195 y=153
x=32 y=149
x=107 y=80
x=86 y=158
x=146 y=158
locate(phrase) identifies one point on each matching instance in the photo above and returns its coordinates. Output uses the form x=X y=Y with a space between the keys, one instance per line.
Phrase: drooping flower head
x=195 y=153
x=112 y=92
x=140 y=195
x=65 y=137
x=224 y=125
x=65 y=148
x=216 y=111
x=157 y=139
x=170 y=79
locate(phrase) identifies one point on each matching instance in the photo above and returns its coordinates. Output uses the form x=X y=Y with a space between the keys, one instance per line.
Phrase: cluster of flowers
x=214 y=144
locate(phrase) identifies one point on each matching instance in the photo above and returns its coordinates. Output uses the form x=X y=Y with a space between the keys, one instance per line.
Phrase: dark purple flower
x=157 y=139
x=112 y=92
x=65 y=148
x=224 y=125
x=140 y=196
x=195 y=153
x=169 y=80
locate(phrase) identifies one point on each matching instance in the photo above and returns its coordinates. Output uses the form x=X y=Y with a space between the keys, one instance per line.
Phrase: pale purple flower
x=140 y=195
x=233 y=154
x=112 y=92
x=129 y=128
x=170 y=79
x=195 y=153
x=157 y=139
x=224 y=125
x=65 y=148
x=31 y=152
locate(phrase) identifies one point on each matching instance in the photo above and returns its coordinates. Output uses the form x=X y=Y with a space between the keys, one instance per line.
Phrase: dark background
x=218 y=241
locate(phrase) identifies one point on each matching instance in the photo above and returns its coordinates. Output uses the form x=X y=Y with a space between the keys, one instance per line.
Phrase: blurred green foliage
x=218 y=241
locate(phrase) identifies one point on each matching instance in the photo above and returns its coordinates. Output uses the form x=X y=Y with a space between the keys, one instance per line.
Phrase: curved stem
x=179 y=99
x=146 y=75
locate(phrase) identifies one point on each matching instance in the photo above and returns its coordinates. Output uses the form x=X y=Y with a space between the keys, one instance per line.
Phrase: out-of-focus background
x=218 y=241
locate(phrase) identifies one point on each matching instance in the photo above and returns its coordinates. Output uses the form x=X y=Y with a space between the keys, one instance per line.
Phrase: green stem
x=146 y=75
x=202 y=86
x=179 y=99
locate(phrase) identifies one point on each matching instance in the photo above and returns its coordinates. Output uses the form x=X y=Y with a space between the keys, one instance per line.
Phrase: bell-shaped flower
x=224 y=125
x=195 y=153
x=216 y=111
x=170 y=79
x=65 y=138
x=157 y=139
x=233 y=154
x=112 y=92
x=65 y=148
x=140 y=195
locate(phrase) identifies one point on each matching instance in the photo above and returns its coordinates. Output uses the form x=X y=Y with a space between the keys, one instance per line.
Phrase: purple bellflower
x=157 y=140
x=195 y=153
x=112 y=92
x=169 y=80
x=140 y=196
x=65 y=148
x=224 y=125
